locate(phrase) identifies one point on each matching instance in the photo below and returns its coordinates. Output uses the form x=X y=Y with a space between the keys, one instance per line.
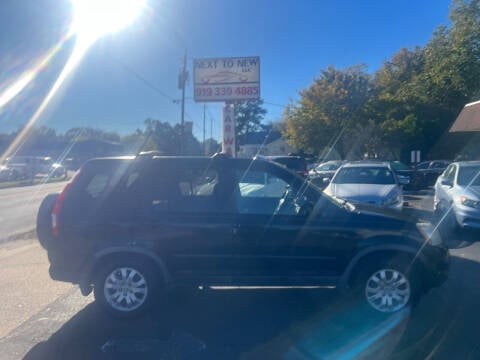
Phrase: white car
x=457 y=195
x=367 y=183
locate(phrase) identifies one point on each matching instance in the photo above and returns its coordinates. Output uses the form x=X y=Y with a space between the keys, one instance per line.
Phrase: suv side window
x=198 y=182
x=261 y=193
x=199 y=190
x=97 y=185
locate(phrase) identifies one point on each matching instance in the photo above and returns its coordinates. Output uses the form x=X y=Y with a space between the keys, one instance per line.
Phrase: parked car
x=26 y=167
x=294 y=163
x=371 y=183
x=457 y=196
x=323 y=172
x=405 y=174
x=131 y=228
x=426 y=173
x=8 y=174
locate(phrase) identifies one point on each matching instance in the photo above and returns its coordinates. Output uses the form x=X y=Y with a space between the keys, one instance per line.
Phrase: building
x=266 y=142
x=464 y=134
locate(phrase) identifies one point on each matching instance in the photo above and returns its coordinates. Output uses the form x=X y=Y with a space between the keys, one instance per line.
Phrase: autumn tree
x=330 y=112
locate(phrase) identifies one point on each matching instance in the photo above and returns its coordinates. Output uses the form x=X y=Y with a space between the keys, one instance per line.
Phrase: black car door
x=193 y=227
x=280 y=235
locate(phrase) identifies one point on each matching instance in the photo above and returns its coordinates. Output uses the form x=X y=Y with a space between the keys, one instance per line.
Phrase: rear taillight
x=58 y=204
x=56 y=209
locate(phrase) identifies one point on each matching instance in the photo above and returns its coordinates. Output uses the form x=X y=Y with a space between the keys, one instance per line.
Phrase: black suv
x=130 y=228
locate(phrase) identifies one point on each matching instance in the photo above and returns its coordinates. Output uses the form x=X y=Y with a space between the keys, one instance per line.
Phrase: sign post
x=228 y=130
x=415 y=156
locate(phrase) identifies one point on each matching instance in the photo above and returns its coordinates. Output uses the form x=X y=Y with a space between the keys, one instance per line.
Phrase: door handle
x=236 y=229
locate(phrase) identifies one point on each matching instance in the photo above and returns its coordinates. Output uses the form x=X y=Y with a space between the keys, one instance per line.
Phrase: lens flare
x=92 y=19
x=95 y=18
x=28 y=76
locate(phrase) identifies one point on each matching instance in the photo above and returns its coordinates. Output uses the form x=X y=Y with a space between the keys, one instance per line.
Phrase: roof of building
x=468 y=119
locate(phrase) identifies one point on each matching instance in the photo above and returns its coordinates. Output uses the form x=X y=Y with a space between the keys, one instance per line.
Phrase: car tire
x=44 y=220
x=127 y=288
x=388 y=286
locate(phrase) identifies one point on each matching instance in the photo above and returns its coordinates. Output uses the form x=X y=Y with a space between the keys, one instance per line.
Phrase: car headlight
x=469 y=202
x=392 y=200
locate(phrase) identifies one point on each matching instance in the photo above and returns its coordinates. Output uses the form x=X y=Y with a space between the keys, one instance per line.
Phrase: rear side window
x=97 y=185
x=96 y=178
x=198 y=182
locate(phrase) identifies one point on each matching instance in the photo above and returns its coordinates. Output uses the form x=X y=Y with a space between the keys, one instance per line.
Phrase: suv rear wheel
x=126 y=288
x=388 y=286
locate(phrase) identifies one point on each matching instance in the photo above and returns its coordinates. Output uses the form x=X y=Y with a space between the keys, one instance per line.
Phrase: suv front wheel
x=388 y=286
x=126 y=288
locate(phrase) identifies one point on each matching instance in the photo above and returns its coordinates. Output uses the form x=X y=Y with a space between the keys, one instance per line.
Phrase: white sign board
x=226 y=79
x=415 y=156
x=228 y=130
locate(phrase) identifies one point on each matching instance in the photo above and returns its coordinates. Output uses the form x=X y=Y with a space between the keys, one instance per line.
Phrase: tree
x=395 y=103
x=87 y=133
x=166 y=138
x=248 y=116
x=211 y=146
x=330 y=111
x=138 y=141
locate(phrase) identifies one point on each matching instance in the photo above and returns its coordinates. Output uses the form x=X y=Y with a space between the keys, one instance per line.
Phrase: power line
x=146 y=82
x=273 y=104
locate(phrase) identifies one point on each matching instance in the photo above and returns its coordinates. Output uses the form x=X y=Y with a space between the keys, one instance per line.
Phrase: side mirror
x=326 y=180
x=446 y=182
x=404 y=180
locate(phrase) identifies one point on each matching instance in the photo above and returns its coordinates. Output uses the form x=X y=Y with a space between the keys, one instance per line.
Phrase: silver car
x=457 y=195
x=369 y=183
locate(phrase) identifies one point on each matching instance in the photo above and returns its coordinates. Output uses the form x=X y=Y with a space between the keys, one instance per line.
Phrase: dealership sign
x=226 y=79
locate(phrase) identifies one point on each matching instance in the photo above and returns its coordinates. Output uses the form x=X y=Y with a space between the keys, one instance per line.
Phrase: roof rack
x=221 y=155
x=151 y=153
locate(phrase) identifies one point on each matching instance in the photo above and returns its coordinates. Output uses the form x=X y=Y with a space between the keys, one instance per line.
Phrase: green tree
x=87 y=133
x=166 y=138
x=211 y=146
x=394 y=104
x=248 y=116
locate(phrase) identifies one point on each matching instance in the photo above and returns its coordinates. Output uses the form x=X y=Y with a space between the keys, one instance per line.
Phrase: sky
x=129 y=76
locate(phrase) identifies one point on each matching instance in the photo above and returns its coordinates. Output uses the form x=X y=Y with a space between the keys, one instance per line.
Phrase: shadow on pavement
x=289 y=324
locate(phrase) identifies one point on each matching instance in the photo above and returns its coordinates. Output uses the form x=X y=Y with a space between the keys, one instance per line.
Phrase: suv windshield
x=469 y=175
x=397 y=165
x=327 y=167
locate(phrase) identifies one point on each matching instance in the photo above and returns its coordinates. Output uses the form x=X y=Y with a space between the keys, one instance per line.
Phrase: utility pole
x=204 y=145
x=211 y=132
x=182 y=80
